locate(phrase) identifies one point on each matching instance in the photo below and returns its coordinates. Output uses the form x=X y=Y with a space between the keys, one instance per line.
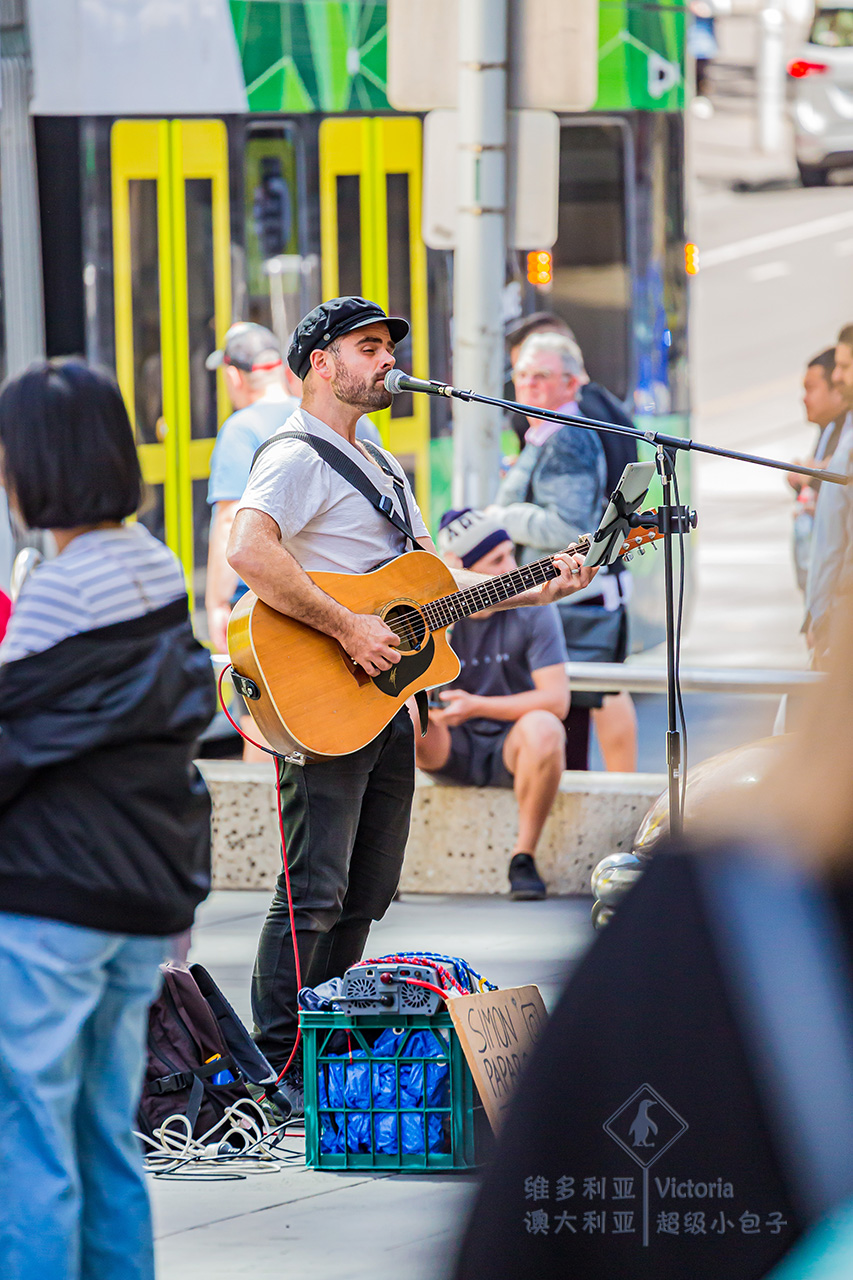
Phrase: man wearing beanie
x=502 y=720
x=345 y=818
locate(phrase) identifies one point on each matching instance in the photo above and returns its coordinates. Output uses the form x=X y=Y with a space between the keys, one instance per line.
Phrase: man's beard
x=359 y=392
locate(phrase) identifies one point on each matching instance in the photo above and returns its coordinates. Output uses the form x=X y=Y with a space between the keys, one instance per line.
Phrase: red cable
x=269 y=752
x=233 y=722
x=424 y=962
x=430 y=986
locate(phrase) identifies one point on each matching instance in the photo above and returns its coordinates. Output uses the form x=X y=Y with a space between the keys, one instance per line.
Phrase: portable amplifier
x=390 y=988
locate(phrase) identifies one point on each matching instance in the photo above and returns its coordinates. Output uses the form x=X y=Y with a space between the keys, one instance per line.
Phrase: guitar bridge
x=360 y=675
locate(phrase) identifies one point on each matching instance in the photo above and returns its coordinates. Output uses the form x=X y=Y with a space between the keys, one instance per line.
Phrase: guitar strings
x=409 y=619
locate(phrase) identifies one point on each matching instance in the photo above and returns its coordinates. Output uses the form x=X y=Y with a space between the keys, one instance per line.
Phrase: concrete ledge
x=461 y=837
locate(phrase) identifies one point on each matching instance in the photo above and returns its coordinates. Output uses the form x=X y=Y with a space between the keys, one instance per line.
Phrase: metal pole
x=23 y=308
x=666 y=464
x=479 y=260
x=771 y=78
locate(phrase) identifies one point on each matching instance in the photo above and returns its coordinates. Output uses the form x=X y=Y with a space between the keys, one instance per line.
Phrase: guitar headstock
x=635 y=539
x=640 y=537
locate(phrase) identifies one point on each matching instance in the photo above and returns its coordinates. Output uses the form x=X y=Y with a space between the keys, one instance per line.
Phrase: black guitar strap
x=353 y=474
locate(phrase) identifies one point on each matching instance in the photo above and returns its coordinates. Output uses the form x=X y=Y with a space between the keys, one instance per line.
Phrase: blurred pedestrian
x=553 y=473
x=661 y=1130
x=830 y=573
x=613 y=714
x=593 y=400
x=264 y=393
x=703 y=48
x=501 y=722
x=104 y=827
x=824 y=407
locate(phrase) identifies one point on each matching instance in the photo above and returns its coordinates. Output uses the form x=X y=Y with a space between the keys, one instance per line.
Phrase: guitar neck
x=491 y=591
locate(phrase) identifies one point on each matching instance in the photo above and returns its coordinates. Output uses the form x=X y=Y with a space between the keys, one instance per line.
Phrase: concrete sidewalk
x=332 y=1226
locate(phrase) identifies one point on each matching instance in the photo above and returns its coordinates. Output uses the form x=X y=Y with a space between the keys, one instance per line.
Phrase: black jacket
x=104 y=819
x=647 y=1006
x=599 y=403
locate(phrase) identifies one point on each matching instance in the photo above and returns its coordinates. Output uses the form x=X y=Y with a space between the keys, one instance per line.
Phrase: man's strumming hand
x=369 y=642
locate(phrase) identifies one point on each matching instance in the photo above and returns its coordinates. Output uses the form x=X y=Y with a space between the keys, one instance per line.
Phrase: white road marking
x=775 y=239
x=768 y=271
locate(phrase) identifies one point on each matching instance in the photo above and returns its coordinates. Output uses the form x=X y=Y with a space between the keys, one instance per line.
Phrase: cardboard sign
x=497 y=1031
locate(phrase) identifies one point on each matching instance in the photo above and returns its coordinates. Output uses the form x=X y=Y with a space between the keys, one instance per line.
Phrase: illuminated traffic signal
x=691 y=259
x=539 y=267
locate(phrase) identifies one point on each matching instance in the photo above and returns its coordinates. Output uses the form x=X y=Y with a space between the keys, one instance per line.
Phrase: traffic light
x=539 y=267
x=691 y=259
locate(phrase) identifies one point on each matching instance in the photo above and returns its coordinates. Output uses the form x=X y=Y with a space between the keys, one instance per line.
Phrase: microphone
x=396 y=382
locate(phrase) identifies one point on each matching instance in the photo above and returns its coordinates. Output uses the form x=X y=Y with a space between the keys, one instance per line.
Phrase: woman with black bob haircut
x=104 y=826
x=68 y=447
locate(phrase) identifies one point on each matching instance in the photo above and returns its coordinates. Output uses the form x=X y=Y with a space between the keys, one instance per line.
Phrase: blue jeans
x=73 y=1027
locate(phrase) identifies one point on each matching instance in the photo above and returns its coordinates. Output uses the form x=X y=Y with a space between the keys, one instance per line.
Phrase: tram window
x=145 y=277
x=201 y=313
x=201 y=305
x=272 y=229
x=349 y=233
x=399 y=276
x=147 y=361
x=591 y=282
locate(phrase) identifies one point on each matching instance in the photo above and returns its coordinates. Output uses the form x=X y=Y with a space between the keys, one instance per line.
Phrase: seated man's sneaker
x=525 y=882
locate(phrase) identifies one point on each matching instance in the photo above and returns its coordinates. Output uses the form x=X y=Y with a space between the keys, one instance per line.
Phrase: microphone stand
x=670 y=519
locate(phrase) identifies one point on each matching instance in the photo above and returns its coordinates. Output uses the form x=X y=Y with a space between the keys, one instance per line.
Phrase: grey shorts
x=476 y=757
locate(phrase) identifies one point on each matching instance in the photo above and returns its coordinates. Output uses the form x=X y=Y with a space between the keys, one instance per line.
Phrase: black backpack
x=200 y=1055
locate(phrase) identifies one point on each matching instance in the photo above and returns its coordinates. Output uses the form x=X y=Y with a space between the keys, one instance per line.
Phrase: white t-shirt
x=101 y=577
x=325 y=523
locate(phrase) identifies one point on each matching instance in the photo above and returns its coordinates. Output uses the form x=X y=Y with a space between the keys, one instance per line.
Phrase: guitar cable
x=268 y=751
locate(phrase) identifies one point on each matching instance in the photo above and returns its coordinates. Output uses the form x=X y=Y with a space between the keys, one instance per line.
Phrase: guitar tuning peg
x=641 y=550
x=628 y=555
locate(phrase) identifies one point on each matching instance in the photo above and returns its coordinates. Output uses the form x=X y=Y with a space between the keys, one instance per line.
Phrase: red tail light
x=800 y=68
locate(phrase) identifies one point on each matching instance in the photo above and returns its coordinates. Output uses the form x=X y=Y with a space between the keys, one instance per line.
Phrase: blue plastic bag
x=385 y=1133
x=331 y=1133
x=356 y=1076
x=358 y=1131
x=412 y=1124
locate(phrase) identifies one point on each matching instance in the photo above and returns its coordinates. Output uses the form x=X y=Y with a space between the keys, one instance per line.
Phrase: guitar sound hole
x=409 y=625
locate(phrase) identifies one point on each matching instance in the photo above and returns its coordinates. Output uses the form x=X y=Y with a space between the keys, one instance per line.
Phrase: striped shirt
x=101 y=577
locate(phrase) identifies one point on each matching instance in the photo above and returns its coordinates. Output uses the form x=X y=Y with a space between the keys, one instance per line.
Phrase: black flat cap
x=332 y=320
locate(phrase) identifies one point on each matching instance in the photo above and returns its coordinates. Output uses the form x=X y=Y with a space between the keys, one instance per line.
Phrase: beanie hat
x=470 y=534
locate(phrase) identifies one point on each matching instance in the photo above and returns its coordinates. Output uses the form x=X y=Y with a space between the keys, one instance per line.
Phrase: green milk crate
x=344 y=1131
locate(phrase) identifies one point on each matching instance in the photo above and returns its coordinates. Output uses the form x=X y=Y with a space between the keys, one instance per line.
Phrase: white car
x=822 y=77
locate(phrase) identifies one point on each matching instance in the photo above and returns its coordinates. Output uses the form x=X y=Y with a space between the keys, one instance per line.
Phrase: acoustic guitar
x=308 y=697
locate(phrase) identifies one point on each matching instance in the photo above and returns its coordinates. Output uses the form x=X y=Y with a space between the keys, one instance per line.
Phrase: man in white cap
x=502 y=720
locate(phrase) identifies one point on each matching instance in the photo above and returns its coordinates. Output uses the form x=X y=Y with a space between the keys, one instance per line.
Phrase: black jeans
x=346 y=822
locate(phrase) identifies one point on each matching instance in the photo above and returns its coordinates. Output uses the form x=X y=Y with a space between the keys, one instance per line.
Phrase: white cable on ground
x=237 y=1145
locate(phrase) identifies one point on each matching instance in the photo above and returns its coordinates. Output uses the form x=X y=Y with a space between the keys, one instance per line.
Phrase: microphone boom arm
x=658 y=439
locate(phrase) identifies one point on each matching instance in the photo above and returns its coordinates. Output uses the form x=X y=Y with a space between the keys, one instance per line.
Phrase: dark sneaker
x=525 y=882
x=291 y=1088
